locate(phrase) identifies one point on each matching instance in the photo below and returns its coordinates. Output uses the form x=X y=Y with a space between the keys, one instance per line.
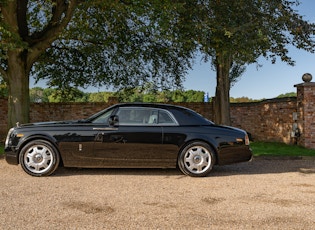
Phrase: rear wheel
x=196 y=159
x=39 y=158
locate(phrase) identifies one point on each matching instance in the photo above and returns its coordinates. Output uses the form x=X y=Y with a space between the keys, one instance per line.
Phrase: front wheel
x=39 y=158
x=196 y=159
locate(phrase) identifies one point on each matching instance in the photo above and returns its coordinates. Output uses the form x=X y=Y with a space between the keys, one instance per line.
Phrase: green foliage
x=194 y=96
x=9 y=41
x=165 y=96
x=291 y=94
x=38 y=94
x=242 y=100
x=100 y=96
x=71 y=94
x=3 y=89
x=279 y=149
x=249 y=29
x=120 y=44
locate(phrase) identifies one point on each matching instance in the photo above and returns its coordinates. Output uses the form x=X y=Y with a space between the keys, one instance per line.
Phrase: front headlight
x=246 y=139
x=8 y=137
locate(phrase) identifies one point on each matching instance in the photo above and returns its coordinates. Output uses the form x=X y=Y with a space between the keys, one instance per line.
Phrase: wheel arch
x=211 y=144
x=38 y=137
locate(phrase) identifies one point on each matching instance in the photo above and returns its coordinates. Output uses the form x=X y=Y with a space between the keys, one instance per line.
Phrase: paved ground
x=262 y=194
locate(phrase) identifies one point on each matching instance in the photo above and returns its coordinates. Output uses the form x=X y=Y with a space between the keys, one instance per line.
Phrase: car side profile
x=128 y=135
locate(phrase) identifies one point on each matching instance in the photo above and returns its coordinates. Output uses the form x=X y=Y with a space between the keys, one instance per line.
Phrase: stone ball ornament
x=307 y=77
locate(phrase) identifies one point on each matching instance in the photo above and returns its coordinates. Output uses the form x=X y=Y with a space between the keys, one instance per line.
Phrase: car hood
x=233 y=128
x=50 y=123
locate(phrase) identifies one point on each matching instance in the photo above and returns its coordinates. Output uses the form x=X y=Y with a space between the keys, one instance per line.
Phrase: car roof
x=147 y=104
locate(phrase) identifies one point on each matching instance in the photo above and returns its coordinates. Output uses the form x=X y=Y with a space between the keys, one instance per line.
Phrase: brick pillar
x=306 y=114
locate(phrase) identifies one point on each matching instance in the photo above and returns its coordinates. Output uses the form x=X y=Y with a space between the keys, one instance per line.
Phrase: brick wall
x=64 y=111
x=268 y=120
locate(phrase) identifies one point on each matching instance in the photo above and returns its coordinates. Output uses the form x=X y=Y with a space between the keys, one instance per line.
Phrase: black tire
x=196 y=159
x=39 y=158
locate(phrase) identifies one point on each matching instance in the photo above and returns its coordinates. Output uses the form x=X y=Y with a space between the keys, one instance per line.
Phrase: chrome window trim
x=175 y=123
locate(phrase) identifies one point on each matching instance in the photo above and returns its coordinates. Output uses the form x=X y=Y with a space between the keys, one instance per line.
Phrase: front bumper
x=11 y=157
x=235 y=154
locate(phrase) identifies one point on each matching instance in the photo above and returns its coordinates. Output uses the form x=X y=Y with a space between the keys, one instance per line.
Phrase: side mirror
x=113 y=120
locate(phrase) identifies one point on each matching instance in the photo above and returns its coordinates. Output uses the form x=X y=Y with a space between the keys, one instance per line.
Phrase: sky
x=268 y=81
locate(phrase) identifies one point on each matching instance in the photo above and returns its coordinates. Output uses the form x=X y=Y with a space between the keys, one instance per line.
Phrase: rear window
x=189 y=117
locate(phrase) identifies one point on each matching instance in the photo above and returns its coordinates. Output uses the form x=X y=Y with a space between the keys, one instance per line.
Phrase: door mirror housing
x=113 y=120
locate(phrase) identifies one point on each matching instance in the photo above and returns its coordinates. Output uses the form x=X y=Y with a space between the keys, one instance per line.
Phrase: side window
x=161 y=117
x=144 y=116
x=123 y=115
x=133 y=116
x=153 y=119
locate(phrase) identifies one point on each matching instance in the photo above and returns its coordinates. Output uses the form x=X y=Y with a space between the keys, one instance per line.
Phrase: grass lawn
x=279 y=149
x=264 y=149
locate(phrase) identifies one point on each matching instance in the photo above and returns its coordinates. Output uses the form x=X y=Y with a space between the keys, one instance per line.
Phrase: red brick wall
x=269 y=120
x=64 y=111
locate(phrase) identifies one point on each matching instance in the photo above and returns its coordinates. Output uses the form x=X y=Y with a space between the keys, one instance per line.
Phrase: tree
x=80 y=43
x=236 y=33
x=120 y=44
x=194 y=96
x=68 y=94
x=27 y=29
x=100 y=96
x=36 y=94
x=291 y=94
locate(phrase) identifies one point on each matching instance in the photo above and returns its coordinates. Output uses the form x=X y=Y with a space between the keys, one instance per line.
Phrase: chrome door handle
x=106 y=129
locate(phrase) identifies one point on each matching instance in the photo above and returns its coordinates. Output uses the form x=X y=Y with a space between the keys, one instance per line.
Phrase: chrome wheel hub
x=38 y=158
x=197 y=159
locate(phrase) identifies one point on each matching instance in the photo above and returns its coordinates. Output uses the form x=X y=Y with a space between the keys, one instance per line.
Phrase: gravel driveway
x=262 y=194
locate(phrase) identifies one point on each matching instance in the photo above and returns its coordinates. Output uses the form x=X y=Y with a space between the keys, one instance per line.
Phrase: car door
x=77 y=144
x=134 y=139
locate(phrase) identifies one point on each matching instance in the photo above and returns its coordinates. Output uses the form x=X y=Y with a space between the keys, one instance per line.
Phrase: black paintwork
x=107 y=143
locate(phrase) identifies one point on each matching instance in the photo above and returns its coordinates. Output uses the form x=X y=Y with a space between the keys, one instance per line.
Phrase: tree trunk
x=222 y=93
x=18 y=85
